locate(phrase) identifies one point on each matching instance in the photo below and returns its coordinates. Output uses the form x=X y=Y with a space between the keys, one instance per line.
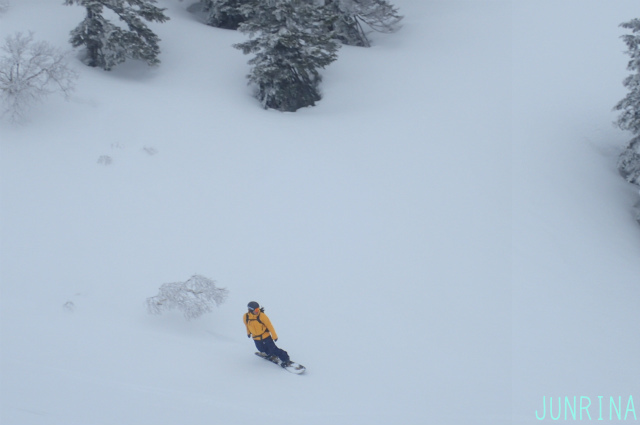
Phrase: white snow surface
x=443 y=239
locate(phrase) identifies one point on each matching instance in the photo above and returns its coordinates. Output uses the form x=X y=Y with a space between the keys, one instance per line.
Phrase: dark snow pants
x=269 y=347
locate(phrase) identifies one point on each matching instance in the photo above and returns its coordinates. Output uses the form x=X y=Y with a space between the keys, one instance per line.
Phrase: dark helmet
x=253 y=305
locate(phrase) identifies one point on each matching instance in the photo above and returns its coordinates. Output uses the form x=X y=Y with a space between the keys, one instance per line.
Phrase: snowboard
x=294 y=367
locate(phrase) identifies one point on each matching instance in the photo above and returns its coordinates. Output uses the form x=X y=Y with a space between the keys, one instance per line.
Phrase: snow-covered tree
x=194 y=297
x=107 y=44
x=29 y=71
x=290 y=43
x=352 y=17
x=629 y=162
x=228 y=14
x=629 y=119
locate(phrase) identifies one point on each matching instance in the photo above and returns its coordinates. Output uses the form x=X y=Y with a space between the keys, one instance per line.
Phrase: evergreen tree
x=106 y=44
x=290 y=41
x=629 y=162
x=227 y=14
x=629 y=119
x=351 y=17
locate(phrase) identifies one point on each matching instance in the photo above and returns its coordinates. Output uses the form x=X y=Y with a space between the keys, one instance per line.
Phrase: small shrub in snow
x=29 y=71
x=194 y=297
x=105 y=160
x=150 y=150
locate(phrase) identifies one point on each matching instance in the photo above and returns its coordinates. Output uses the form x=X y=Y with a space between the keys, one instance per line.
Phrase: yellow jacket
x=259 y=326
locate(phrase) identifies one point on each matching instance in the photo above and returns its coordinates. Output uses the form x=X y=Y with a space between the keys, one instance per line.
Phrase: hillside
x=442 y=239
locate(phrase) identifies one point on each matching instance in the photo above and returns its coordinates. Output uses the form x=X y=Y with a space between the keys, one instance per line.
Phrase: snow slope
x=575 y=261
x=442 y=239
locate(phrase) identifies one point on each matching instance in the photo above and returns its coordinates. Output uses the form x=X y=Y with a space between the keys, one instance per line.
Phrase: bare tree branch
x=29 y=71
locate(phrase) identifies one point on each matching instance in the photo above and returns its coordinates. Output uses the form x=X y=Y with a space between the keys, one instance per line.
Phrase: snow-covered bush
x=29 y=71
x=194 y=297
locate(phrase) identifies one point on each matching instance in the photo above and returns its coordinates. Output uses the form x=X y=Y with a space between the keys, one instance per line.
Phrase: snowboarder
x=264 y=335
